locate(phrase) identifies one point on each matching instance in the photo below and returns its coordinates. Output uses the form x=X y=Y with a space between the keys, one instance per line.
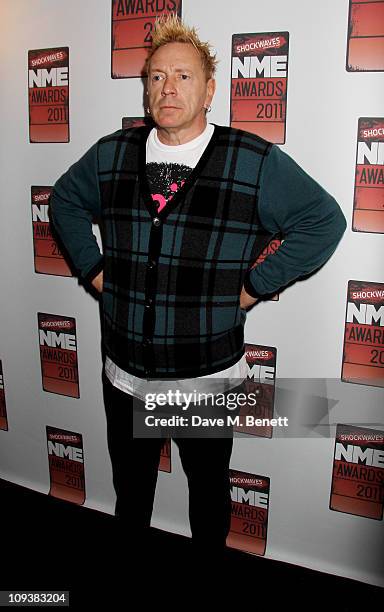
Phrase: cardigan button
x=151 y=264
x=148 y=303
x=147 y=342
x=156 y=221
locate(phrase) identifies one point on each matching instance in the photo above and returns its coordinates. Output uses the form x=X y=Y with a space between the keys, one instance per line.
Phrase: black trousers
x=135 y=464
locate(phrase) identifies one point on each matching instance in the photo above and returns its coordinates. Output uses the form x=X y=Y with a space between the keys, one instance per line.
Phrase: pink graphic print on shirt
x=165 y=180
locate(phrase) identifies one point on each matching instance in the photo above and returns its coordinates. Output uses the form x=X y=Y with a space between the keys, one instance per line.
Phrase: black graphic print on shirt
x=165 y=179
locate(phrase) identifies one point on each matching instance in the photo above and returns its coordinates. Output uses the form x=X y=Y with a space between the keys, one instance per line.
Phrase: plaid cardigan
x=172 y=280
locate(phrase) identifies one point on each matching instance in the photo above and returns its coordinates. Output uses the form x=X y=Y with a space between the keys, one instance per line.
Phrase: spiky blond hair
x=170 y=28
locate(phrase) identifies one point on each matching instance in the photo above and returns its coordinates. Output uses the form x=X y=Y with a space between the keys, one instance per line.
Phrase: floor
x=48 y=544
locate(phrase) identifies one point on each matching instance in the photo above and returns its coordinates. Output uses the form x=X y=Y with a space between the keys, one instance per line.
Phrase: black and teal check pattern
x=172 y=280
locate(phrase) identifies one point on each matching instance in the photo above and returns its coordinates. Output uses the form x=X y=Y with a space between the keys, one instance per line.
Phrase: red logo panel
x=48 y=83
x=260 y=386
x=58 y=354
x=66 y=465
x=358 y=472
x=365 y=45
x=132 y=24
x=47 y=255
x=363 y=356
x=165 y=457
x=250 y=502
x=368 y=204
x=259 y=84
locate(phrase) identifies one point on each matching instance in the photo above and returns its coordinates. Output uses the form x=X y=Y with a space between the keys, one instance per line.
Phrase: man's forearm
x=303 y=251
x=75 y=201
x=309 y=219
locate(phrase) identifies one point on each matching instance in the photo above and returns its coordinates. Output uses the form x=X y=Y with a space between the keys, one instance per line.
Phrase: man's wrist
x=94 y=271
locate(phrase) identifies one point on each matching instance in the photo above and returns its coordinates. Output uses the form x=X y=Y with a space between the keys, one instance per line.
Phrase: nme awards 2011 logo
x=66 y=465
x=365 y=44
x=48 y=82
x=260 y=384
x=368 y=204
x=249 y=515
x=259 y=84
x=363 y=355
x=58 y=354
x=132 y=24
x=47 y=255
x=3 y=410
x=358 y=472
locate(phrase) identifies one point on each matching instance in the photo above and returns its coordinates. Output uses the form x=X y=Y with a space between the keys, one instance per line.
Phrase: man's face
x=178 y=89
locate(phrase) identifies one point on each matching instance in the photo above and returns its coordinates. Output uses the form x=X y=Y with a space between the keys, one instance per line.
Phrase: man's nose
x=169 y=86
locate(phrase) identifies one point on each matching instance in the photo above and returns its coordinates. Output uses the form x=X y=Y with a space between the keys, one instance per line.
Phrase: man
x=185 y=209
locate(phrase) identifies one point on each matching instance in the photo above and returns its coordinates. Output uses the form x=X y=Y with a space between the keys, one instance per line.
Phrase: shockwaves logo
x=249 y=512
x=48 y=82
x=368 y=209
x=363 y=356
x=358 y=472
x=58 y=354
x=132 y=25
x=47 y=255
x=66 y=465
x=259 y=84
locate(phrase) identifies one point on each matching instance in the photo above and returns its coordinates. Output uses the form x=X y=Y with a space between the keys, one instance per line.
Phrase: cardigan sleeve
x=75 y=202
x=309 y=220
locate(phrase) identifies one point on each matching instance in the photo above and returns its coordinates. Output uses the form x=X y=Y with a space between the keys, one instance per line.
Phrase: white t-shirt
x=167 y=168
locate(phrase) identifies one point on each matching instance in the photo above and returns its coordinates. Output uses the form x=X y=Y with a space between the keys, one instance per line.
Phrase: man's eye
x=156 y=77
x=185 y=77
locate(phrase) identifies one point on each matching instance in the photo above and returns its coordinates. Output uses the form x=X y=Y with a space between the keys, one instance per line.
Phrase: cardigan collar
x=180 y=194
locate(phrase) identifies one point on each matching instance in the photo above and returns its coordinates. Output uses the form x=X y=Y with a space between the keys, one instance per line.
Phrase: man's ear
x=211 y=88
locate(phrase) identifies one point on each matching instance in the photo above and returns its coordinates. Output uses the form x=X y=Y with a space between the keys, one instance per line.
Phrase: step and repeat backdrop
x=305 y=75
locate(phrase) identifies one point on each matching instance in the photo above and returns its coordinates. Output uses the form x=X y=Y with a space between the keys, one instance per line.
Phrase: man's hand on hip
x=246 y=301
x=98 y=282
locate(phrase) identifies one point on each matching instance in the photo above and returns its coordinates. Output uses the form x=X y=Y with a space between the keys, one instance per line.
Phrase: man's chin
x=168 y=118
x=167 y=123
